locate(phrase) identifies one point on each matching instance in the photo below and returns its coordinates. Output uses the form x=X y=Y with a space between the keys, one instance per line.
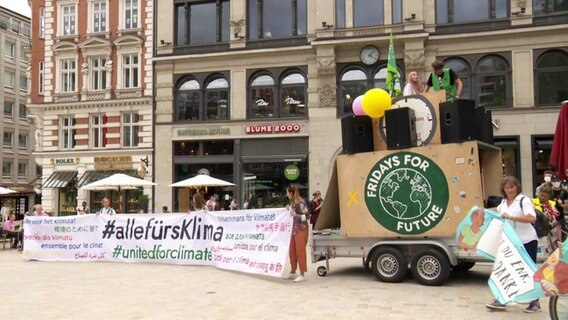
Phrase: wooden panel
x=183 y=199
x=459 y=173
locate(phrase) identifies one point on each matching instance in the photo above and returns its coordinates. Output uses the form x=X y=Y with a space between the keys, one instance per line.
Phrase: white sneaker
x=300 y=279
x=290 y=276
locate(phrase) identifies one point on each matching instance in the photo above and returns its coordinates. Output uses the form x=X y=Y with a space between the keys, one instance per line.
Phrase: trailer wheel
x=322 y=271
x=389 y=264
x=463 y=266
x=430 y=267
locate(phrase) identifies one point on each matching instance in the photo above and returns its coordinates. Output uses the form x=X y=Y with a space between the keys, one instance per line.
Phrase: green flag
x=392 y=71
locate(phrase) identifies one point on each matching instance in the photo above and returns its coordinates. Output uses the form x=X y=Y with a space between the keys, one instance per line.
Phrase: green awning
x=96 y=175
x=60 y=179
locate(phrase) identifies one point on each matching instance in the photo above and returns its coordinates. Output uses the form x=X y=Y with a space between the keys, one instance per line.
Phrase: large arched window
x=217 y=93
x=462 y=69
x=492 y=82
x=552 y=77
x=282 y=98
x=188 y=100
x=353 y=83
x=293 y=95
x=262 y=89
x=202 y=97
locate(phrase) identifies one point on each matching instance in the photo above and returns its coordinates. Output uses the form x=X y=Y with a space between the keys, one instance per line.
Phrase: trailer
x=399 y=209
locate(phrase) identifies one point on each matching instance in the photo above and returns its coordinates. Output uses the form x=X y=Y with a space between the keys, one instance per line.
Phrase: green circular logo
x=407 y=193
x=291 y=172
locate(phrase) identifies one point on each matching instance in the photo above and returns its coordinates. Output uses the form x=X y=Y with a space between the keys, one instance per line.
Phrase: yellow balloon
x=376 y=102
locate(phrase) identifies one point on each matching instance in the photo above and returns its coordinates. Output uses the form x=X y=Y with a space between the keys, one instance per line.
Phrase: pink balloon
x=358 y=106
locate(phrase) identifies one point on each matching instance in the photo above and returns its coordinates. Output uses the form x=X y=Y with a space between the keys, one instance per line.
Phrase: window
x=8 y=108
x=4 y=22
x=23 y=49
x=26 y=29
x=98 y=77
x=22 y=112
x=67 y=75
x=489 y=84
x=22 y=141
x=41 y=24
x=99 y=16
x=9 y=78
x=9 y=49
x=356 y=80
x=269 y=19
x=41 y=80
x=368 y=13
x=209 y=101
x=450 y=11
x=551 y=77
x=130 y=70
x=271 y=99
x=22 y=170
x=23 y=82
x=396 y=11
x=8 y=137
x=340 y=14
x=130 y=129
x=98 y=131
x=7 y=169
x=548 y=6
x=68 y=19
x=67 y=133
x=130 y=14
x=202 y=23
x=492 y=74
x=16 y=26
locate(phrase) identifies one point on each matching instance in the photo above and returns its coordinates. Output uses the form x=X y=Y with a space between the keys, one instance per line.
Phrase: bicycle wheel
x=558 y=307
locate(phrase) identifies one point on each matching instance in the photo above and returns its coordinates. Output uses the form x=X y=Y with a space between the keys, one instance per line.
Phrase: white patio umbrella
x=6 y=191
x=202 y=180
x=118 y=182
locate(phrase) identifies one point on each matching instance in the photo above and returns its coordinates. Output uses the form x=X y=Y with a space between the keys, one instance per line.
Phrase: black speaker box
x=457 y=121
x=401 y=128
x=357 y=134
x=484 y=125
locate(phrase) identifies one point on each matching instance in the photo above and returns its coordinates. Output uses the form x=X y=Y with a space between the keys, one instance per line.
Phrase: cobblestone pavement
x=70 y=290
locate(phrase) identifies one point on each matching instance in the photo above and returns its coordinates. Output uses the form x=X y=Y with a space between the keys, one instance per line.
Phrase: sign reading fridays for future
x=252 y=241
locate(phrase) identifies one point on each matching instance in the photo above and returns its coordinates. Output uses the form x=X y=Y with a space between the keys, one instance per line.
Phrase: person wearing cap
x=316 y=204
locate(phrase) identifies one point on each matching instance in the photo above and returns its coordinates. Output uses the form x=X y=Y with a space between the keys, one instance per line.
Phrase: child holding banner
x=519 y=210
x=299 y=210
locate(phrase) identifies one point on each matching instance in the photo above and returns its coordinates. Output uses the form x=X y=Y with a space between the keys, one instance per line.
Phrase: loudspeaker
x=401 y=128
x=484 y=125
x=357 y=134
x=457 y=121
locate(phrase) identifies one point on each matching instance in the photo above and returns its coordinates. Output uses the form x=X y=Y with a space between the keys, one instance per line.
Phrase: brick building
x=91 y=93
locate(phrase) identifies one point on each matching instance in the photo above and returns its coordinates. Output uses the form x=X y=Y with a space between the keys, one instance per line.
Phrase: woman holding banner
x=299 y=210
x=519 y=210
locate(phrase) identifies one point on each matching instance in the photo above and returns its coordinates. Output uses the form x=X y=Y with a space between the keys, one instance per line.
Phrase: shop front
x=261 y=160
x=20 y=202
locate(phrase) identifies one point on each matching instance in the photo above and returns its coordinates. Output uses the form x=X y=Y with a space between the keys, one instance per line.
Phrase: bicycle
x=558 y=307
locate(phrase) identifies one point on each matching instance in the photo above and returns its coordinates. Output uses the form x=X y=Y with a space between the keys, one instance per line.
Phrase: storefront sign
x=291 y=172
x=111 y=163
x=64 y=161
x=251 y=241
x=273 y=128
x=203 y=131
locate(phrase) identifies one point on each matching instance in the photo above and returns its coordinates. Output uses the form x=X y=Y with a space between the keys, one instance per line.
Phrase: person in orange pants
x=299 y=210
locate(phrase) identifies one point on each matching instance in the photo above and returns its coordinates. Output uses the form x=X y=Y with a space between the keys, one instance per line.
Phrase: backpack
x=541 y=224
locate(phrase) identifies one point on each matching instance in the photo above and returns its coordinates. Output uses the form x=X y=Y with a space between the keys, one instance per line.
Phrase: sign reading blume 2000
x=407 y=193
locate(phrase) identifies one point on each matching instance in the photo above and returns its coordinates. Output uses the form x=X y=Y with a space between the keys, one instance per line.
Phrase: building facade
x=252 y=91
x=18 y=165
x=91 y=94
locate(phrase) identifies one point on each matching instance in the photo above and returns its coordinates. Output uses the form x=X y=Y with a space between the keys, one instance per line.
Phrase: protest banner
x=512 y=276
x=252 y=241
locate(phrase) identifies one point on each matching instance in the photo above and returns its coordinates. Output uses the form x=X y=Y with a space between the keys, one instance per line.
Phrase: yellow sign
x=353 y=198
x=113 y=163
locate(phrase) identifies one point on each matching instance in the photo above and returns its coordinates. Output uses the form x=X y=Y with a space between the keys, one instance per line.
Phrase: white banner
x=253 y=241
